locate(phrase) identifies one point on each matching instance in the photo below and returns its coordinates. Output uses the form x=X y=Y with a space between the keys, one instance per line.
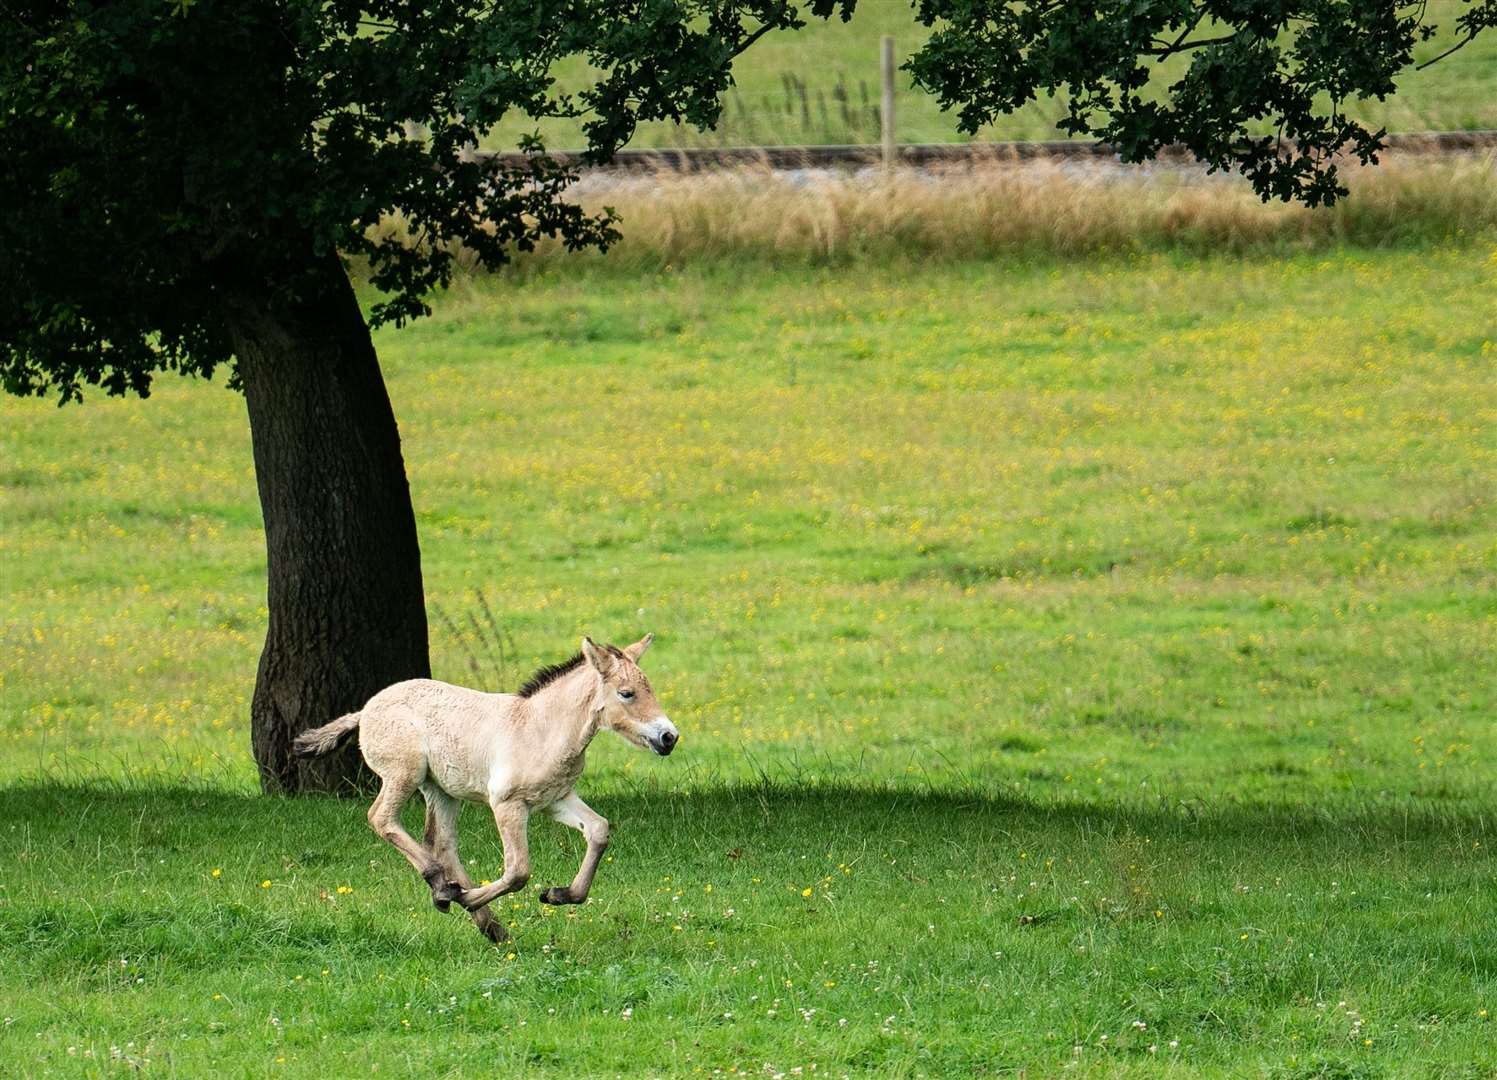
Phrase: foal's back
x=435 y=732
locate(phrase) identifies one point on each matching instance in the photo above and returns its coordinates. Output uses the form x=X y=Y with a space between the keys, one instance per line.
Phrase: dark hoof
x=494 y=930
x=556 y=895
x=443 y=893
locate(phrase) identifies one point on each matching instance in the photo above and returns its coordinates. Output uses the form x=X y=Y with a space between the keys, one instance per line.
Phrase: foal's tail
x=320 y=740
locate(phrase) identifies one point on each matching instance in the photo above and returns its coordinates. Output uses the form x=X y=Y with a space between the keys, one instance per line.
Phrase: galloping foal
x=516 y=752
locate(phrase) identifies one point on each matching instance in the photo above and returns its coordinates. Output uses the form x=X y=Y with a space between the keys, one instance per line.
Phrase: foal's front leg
x=572 y=811
x=511 y=818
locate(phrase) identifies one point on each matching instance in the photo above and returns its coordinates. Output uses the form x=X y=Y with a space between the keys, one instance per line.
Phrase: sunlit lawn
x=1058 y=648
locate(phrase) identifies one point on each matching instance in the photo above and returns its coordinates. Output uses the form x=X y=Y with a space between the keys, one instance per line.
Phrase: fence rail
x=924 y=154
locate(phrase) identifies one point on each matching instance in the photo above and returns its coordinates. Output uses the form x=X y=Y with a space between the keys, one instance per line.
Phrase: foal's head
x=628 y=704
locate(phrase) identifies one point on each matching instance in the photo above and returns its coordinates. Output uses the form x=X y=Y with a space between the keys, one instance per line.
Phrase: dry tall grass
x=1003 y=208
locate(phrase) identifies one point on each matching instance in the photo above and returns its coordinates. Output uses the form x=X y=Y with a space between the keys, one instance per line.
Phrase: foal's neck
x=567 y=705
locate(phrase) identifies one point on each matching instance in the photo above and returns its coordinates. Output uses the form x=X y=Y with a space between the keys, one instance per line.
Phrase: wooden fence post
x=886 y=105
x=469 y=150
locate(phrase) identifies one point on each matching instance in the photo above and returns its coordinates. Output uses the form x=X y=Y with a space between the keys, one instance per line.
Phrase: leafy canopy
x=159 y=157
x=1284 y=64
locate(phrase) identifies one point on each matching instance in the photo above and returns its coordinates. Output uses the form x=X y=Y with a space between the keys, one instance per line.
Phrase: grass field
x=1080 y=665
x=821 y=85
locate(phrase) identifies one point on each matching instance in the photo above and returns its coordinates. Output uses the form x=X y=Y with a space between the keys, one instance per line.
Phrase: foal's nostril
x=668 y=739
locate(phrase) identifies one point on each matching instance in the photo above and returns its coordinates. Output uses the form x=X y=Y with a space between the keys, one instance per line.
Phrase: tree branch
x=755 y=36
x=1454 y=48
x=1189 y=29
x=1167 y=51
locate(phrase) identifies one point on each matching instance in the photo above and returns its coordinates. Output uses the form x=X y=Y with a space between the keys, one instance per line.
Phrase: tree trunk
x=347 y=615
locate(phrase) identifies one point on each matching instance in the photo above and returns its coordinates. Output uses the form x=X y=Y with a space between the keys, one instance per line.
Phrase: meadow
x=1083 y=663
x=821 y=85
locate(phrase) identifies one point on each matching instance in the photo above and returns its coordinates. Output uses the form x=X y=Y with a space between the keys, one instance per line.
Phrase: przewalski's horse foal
x=516 y=752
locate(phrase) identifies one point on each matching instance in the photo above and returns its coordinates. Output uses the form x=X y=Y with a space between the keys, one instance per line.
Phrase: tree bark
x=347 y=613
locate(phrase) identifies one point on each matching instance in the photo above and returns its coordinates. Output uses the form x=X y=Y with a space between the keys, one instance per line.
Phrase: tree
x=182 y=183
x=1279 y=66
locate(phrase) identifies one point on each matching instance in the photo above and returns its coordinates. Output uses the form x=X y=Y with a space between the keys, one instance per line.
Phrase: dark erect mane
x=548 y=675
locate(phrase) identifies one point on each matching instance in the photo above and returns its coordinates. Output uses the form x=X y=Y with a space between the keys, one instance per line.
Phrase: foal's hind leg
x=441 y=837
x=384 y=819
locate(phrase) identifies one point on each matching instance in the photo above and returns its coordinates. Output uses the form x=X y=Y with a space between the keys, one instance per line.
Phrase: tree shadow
x=96 y=874
x=69 y=814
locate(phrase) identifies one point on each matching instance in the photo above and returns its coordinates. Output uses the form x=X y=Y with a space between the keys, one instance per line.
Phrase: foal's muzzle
x=662 y=736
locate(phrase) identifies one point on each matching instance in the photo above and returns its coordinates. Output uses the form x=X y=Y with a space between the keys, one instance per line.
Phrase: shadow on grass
x=72 y=814
x=96 y=876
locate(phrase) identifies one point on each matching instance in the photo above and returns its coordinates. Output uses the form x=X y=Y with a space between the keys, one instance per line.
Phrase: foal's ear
x=635 y=651
x=597 y=655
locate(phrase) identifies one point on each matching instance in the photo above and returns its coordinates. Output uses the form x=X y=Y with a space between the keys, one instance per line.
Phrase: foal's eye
x=626 y=695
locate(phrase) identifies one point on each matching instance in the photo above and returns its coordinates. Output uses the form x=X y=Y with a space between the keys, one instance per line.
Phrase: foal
x=516 y=752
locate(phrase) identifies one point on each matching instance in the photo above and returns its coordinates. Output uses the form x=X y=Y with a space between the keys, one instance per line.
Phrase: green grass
x=1099 y=642
x=943 y=935
x=821 y=85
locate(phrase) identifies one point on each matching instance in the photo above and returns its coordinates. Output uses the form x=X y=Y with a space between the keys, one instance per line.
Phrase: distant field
x=821 y=85
x=1038 y=518
x=1079 y=662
